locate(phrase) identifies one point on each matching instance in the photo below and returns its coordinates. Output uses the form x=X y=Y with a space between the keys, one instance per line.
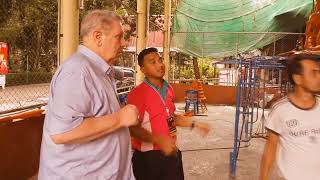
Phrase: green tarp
x=224 y=17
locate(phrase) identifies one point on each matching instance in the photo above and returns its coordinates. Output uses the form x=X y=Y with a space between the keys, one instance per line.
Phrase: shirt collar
x=151 y=84
x=101 y=64
x=162 y=91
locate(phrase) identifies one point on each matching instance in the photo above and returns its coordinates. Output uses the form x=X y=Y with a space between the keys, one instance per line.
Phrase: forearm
x=183 y=121
x=90 y=129
x=141 y=134
x=267 y=160
x=266 y=166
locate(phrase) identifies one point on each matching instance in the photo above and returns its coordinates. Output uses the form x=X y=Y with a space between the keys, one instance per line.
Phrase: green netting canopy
x=223 y=19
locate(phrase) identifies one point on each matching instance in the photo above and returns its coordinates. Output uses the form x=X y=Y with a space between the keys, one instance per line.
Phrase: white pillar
x=166 y=35
x=68 y=30
x=142 y=11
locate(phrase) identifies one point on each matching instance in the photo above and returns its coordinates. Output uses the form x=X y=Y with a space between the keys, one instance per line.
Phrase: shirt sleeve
x=70 y=102
x=274 y=122
x=135 y=99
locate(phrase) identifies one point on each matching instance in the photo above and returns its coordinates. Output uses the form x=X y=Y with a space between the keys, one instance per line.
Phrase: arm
x=269 y=155
x=96 y=127
x=184 y=121
x=166 y=145
x=309 y=33
x=141 y=134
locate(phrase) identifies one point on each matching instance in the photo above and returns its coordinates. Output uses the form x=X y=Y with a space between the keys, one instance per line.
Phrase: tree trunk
x=196 y=68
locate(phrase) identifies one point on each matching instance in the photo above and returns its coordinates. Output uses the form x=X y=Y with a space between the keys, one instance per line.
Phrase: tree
x=30 y=28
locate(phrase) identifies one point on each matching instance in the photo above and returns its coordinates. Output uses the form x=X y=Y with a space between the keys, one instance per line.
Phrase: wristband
x=193 y=125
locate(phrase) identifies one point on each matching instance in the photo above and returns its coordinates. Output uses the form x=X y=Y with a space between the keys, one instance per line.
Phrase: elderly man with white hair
x=85 y=133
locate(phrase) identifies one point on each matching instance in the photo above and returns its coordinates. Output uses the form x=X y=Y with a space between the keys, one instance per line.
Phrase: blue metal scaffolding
x=247 y=84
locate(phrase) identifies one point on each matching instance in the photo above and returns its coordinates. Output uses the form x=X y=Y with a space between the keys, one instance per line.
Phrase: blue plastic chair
x=192 y=99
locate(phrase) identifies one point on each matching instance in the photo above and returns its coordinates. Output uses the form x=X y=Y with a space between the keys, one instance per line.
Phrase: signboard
x=3 y=58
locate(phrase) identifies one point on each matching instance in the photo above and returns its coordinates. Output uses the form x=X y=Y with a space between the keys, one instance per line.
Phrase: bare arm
x=311 y=31
x=184 y=121
x=166 y=145
x=141 y=134
x=308 y=34
x=94 y=128
x=268 y=156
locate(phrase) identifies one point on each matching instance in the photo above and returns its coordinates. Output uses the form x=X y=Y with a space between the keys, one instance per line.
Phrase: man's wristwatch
x=193 y=125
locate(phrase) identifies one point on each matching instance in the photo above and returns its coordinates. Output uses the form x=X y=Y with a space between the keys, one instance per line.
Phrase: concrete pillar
x=142 y=11
x=68 y=28
x=166 y=35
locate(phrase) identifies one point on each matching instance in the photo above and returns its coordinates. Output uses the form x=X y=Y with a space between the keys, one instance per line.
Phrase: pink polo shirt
x=153 y=112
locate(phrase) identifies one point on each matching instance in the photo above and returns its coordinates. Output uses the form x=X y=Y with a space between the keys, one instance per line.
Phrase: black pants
x=154 y=165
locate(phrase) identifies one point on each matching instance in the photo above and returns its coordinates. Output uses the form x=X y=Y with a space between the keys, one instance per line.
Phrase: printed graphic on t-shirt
x=292 y=123
x=172 y=126
x=295 y=130
x=305 y=132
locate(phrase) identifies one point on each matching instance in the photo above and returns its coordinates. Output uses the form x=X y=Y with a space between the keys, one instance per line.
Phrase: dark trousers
x=154 y=165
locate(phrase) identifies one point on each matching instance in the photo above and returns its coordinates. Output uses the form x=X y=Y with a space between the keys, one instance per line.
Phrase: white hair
x=97 y=19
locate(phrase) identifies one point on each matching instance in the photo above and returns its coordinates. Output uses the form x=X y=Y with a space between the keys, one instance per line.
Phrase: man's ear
x=97 y=36
x=142 y=69
x=297 y=78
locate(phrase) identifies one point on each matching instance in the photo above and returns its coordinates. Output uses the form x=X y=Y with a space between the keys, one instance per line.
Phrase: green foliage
x=206 y=69
x=185 y=70
x=13 y=79
x=156 y=6
x=187 y=73
x=30 y=28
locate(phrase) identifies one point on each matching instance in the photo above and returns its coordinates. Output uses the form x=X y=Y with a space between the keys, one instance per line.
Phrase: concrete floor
x=208 y=158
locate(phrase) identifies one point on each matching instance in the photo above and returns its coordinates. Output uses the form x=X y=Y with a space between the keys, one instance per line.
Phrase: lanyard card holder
x=172 y=126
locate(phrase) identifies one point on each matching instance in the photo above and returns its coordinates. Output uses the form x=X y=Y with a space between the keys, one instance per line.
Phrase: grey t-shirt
x=83 y=86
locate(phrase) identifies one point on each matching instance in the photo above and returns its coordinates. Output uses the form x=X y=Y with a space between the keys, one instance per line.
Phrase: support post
x=142 y=11
x=68 y=28
x=166 y=35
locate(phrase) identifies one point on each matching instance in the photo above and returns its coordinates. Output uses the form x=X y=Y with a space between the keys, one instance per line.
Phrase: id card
x=172 y=126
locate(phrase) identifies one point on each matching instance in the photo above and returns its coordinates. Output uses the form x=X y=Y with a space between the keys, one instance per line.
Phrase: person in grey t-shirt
x=85 y=133
x=293 y=124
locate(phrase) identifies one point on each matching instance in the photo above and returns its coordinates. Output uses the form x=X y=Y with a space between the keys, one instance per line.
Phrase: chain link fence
x=29 y=29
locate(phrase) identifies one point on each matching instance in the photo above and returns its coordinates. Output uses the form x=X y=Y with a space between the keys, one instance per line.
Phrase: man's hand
x=166 y=145
x=128 y=115
x=202 y=128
